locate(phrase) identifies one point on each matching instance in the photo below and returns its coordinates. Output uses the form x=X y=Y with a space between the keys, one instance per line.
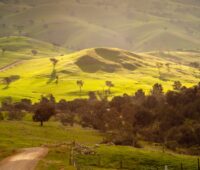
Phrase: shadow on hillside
x=52 y=77
x=5 y=88
x=91 y=65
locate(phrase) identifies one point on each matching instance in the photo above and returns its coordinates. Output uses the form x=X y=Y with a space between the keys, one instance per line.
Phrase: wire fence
x=126 y=165
x=98 y=162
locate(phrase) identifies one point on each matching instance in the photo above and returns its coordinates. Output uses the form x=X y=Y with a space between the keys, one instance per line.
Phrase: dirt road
x=25 y=160
x=4 y=68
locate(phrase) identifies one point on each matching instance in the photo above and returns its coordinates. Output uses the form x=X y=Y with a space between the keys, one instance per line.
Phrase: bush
x=67 y=119
x=15 y=115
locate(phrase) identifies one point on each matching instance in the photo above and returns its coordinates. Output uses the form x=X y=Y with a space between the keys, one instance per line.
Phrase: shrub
x=15 y=115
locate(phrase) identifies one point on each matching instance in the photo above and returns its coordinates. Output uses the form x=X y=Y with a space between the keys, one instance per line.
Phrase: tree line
x=171 y=119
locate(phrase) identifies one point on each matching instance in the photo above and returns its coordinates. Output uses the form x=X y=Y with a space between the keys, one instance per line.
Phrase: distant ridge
x=132 y=25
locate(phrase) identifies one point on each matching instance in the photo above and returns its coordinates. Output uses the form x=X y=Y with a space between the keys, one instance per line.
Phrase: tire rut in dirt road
x=25 y=160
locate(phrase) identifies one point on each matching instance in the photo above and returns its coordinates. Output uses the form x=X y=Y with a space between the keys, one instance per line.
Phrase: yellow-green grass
x=35 y=74
x=22 y=134
x=20 y=48
x=16 y=135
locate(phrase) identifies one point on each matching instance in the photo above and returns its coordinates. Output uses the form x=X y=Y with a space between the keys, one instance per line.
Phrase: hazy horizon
x=128 y=24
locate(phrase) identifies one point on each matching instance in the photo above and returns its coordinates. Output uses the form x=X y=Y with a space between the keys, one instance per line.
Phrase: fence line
x=73 y=161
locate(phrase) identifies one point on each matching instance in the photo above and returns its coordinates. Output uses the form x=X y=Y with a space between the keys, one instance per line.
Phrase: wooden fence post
x=70 y=156
x=181 y=166
x=121 y=164
x=99 y=160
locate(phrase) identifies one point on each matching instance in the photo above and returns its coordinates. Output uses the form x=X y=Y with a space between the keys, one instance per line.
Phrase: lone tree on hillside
x=177 y=85
x=7 y=81
x=195 y=64
x=54 y=73
x=157 y=90
x=34 y=52
x=109 y=84
x=92 y=96
x=3 y=50
x=44 y=110
x=168 y=66
x=80 y=84
x=54 y=62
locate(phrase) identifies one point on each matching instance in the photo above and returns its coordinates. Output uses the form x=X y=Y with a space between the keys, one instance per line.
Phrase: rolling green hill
x=128 y=71
x=20 y=48
x=79 y=24
x=57 y=138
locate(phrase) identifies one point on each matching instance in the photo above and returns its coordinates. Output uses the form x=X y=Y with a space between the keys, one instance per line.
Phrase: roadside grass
x=57 y=158
x=15 y=135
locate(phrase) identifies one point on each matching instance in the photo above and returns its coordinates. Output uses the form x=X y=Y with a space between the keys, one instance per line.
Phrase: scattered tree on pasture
x=54 y=62
x=157 y=90
x=168 y=66
x=92 y=96
x=177 y=85
x=7 y=81
x=34 y=52
x=3 y=50
x=109 y=84
x=54 y=75
x=44 y=110
x=80 y=84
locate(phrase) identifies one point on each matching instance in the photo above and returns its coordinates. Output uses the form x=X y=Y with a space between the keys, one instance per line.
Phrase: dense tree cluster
x=42 y=111
x=172 y=119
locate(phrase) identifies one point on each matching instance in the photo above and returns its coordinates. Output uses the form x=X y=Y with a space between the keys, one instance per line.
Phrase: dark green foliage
x=15 y=111
x=177 y=85
x=171 y=119
x=44 y=110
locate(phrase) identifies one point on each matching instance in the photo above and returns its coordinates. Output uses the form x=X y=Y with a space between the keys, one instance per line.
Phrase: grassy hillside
x=132 y=25
x=56 y=137
x=53 y=135
x=20 y=48
x=128 y=71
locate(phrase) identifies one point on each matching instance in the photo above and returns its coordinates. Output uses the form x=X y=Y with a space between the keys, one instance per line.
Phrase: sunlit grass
x=35 y=77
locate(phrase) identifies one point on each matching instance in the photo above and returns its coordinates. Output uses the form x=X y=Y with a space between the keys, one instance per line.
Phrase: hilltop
x=79 y=24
